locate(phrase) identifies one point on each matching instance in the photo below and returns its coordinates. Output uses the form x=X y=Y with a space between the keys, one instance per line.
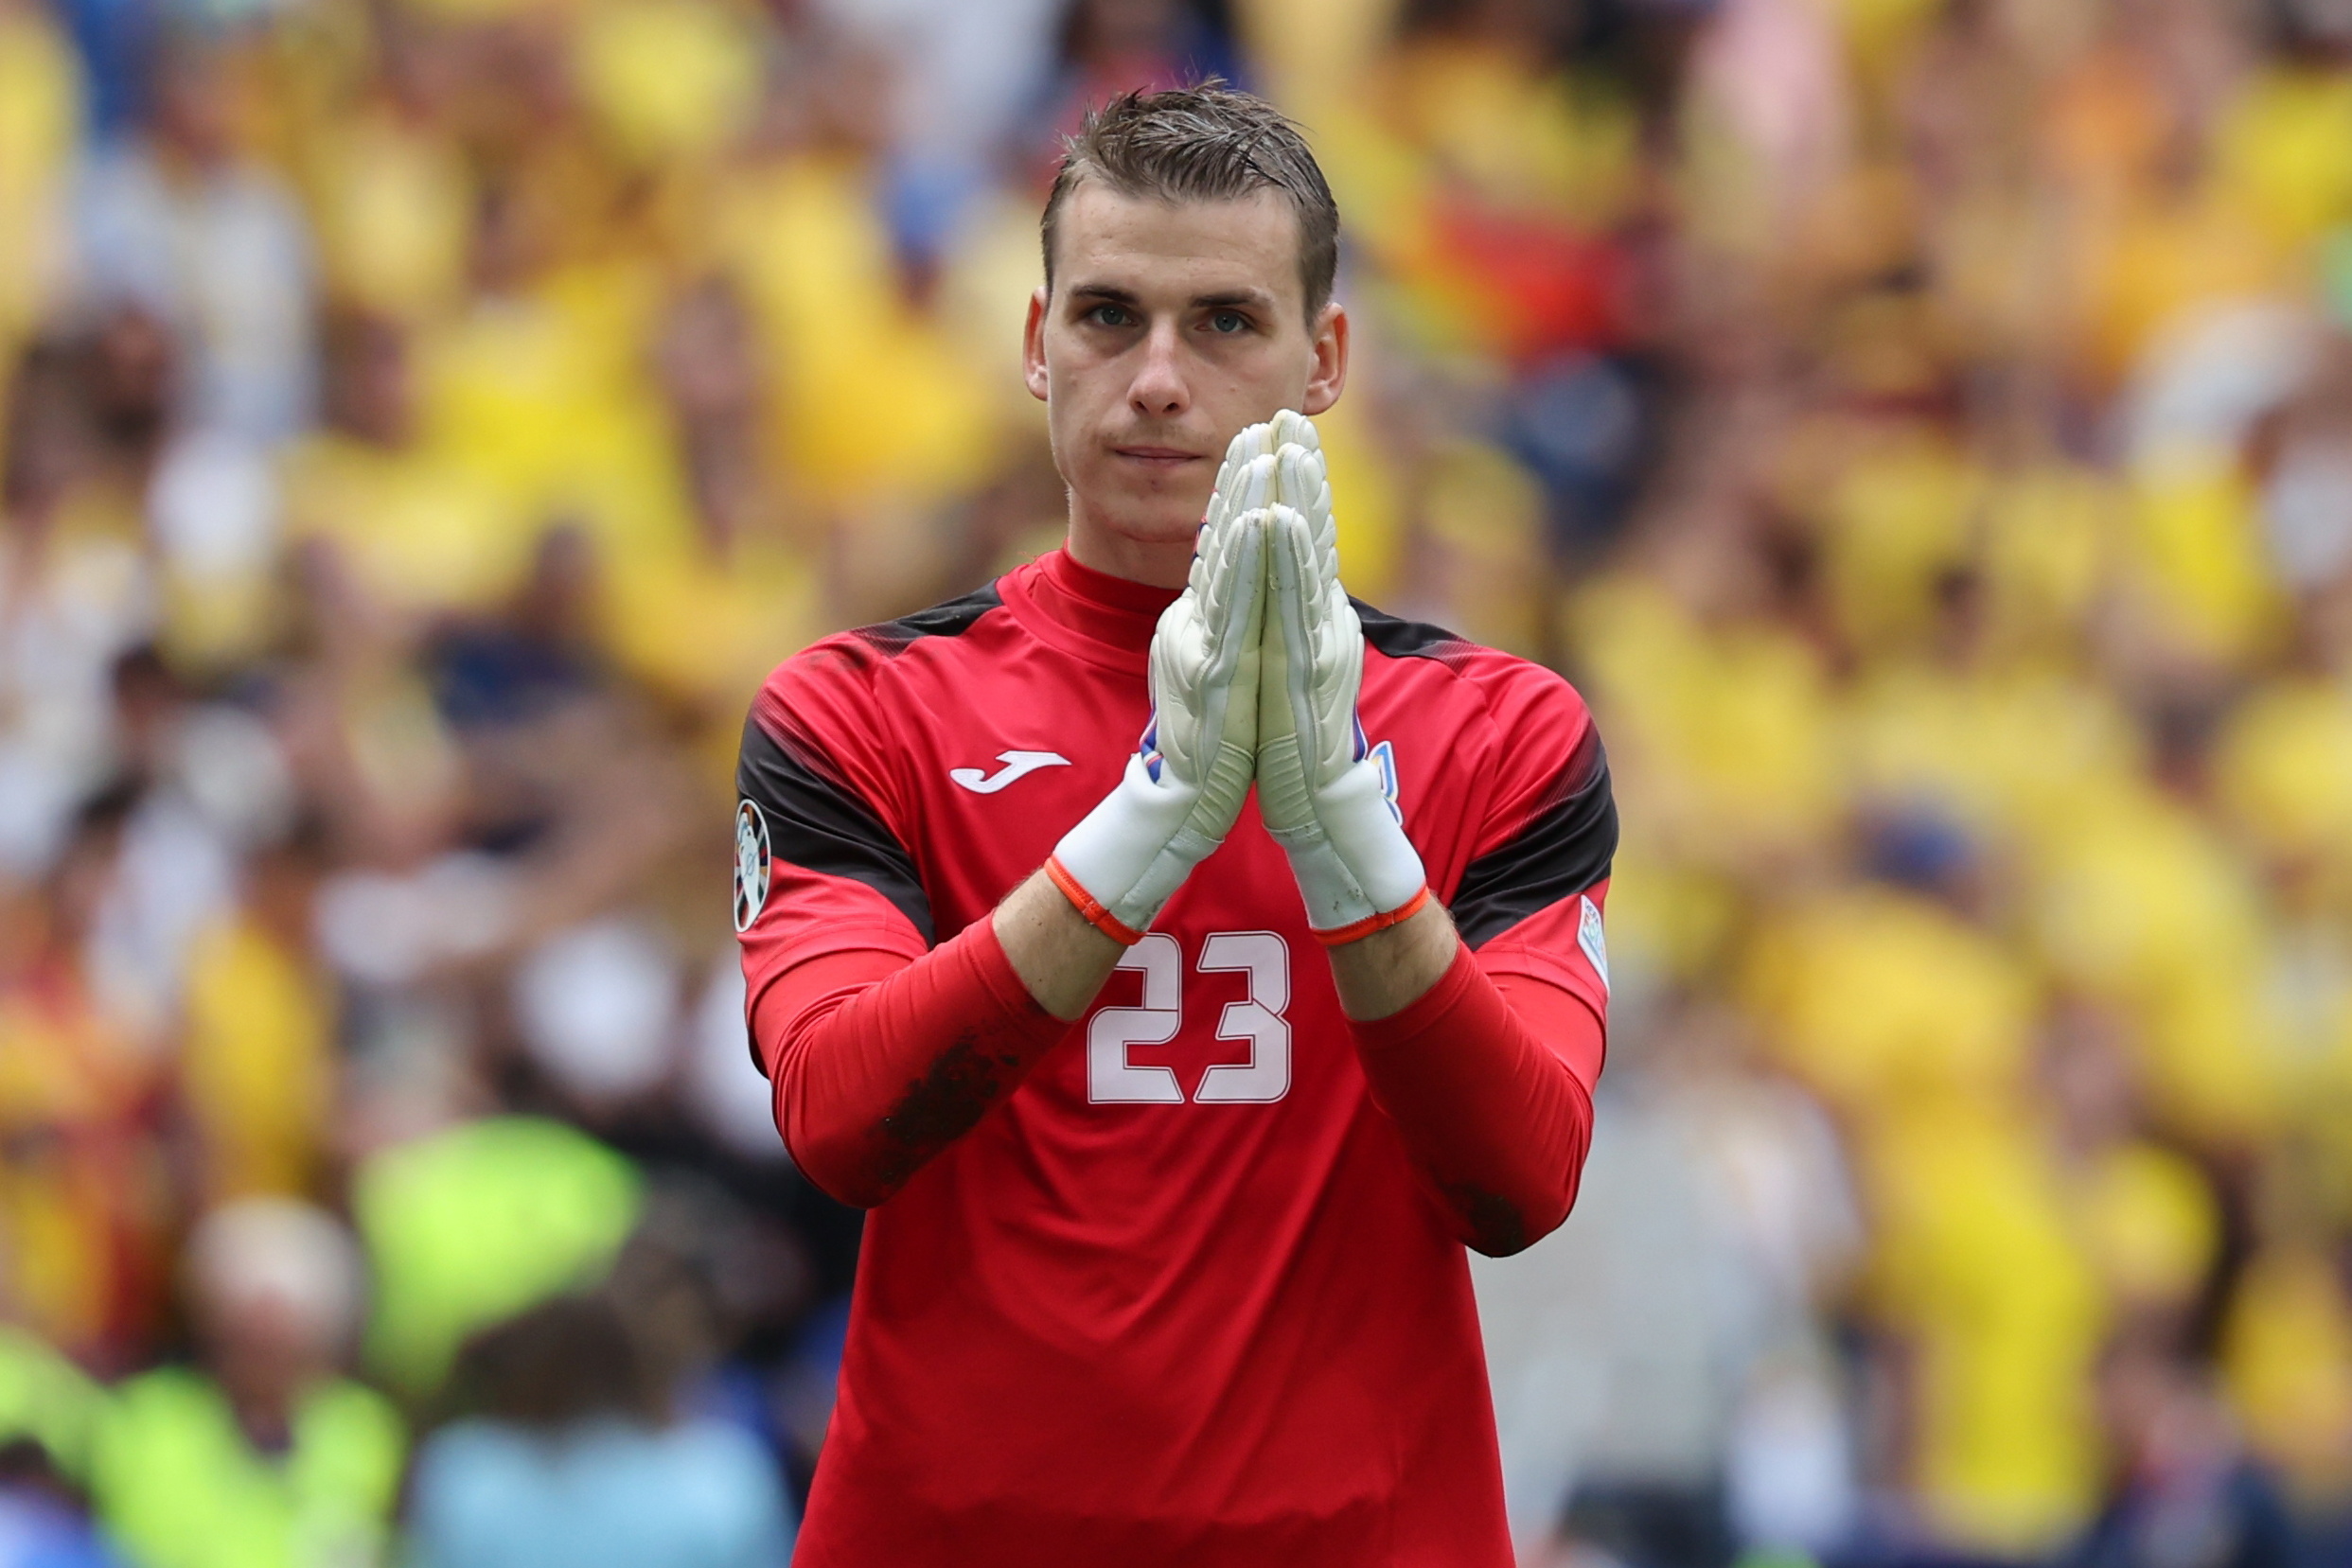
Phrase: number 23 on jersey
x=1263 y=957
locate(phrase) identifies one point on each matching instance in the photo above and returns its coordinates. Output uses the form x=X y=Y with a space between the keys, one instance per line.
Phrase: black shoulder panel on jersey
x=952 y=619
x=1408 y=639
x=821 y=826
x=1564 y=847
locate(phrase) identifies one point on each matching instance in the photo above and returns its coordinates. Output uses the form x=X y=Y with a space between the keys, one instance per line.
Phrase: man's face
x=1169 y=328
x=261 y=1345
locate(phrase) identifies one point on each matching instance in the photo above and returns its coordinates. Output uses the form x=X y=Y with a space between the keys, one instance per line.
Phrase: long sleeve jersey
x=1182 y=1281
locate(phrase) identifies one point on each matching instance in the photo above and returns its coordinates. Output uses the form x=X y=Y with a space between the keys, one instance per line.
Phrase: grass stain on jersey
x=964 y=1084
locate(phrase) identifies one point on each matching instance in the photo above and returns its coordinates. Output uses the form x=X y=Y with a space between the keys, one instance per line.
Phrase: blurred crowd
x=1922 y=428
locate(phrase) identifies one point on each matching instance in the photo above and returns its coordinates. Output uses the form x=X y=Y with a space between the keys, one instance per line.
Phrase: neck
x=1163 y=563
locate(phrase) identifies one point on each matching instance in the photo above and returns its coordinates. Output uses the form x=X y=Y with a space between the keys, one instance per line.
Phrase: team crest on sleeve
x=1590 y=937
x=750 y=864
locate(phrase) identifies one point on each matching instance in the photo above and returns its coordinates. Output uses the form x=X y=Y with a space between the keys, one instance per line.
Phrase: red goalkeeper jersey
x=1190 y=1293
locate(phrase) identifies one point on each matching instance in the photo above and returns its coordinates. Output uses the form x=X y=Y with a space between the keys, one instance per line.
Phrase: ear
x=1329 y=376
x=1033 y=346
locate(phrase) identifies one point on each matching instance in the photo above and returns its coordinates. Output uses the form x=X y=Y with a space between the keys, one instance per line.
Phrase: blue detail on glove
x=1148 y=748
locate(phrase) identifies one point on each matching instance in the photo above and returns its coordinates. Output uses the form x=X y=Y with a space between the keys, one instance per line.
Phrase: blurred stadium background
x=1923 y=427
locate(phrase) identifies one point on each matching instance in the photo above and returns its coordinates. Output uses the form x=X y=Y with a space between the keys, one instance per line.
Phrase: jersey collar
x=1105 y=620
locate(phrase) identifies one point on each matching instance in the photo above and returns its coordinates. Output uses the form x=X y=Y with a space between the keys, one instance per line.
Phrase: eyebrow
x=1225 y=299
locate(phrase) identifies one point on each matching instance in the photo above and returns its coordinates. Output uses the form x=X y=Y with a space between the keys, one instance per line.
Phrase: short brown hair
x=1207 y=143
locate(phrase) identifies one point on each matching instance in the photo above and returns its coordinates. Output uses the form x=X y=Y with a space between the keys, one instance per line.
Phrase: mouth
x=1157 y=457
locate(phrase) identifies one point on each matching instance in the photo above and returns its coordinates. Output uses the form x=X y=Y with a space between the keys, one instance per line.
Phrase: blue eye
x=1228 y=321
x=1108 y=315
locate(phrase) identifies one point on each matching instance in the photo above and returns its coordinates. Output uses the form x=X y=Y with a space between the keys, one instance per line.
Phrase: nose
x=1159 y=390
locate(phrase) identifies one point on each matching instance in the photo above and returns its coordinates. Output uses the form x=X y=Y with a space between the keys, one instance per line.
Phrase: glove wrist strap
x=1088 y=905
x=1340 y=936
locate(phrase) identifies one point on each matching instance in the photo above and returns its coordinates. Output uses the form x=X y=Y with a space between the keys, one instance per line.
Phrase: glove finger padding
x=1181 y=791
x=1325 y=683
x=1290 y=428
x=1204 y=669
x=1227 y=500
x=1322 y=797
x=1307 y=690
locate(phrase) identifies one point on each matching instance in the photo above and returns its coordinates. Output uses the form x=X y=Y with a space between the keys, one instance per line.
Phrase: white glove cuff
x=1128 y=855
x=1356 y=870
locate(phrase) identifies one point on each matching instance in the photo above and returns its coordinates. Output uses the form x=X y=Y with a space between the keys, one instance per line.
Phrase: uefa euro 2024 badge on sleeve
x=750 y=864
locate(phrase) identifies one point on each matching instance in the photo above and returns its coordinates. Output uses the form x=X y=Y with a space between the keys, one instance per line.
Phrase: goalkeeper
x=1176 y=1071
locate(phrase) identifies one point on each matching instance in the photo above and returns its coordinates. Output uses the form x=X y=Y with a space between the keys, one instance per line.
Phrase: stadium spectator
x=575 y=1457
x=2180 y=1472
x=263 y=1452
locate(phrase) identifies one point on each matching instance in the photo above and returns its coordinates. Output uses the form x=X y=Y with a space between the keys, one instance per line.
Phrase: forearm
x=1059 y=955
x=1384 y=974
x=1493 y=1099
x=879 y=1063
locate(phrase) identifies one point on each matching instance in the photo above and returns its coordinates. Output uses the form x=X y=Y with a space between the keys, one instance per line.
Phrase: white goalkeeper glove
x=1322 y=793
x=1184 y=786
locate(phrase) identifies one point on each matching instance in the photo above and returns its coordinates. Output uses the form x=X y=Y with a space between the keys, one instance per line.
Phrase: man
x=266 y=1452
x=1165 y=1260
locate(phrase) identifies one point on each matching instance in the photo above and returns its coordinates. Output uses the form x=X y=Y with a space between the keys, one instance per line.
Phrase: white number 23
x=1265 y=1077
